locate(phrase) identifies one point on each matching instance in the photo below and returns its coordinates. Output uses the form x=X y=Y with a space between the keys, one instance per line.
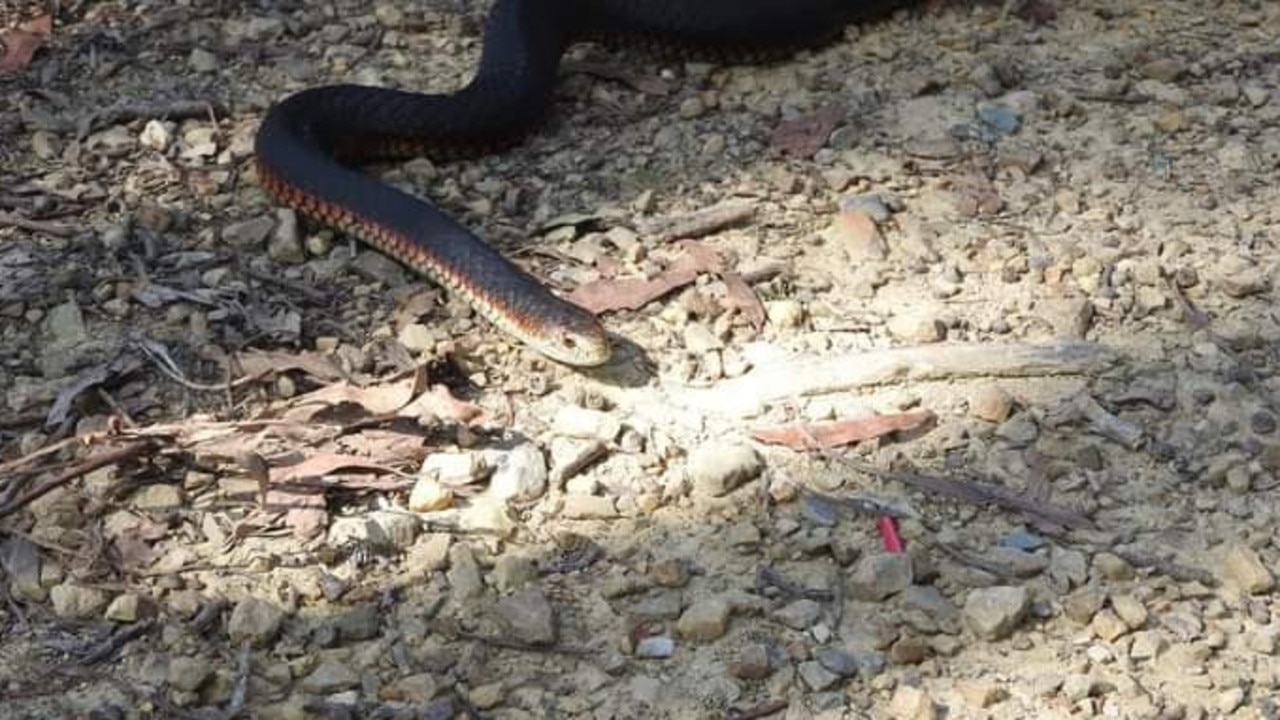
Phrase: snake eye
x=569 y=342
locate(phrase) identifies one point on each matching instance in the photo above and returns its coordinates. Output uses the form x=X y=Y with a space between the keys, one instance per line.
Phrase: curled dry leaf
x=813 y=436
x=634 y=293
x=739 y=296
x=21 y=43
x=438 y=402
x=376 y=399
x=260 y=363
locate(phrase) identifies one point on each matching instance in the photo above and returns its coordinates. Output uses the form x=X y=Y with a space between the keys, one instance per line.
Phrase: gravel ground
x=1019 y=256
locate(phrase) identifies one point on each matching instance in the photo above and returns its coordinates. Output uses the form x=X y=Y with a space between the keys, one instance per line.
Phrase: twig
x=166 y=365
x=306 y=291
x=1179 y=572
x=818 y=375
x=90 y=464
x=764 y=709
x=980 y=493
x=699 y=222
x=118 y=639
x=125 y=112
x=511 y=644
x=974 y=561
x=55 y=229
x=241 y=691
x=768 y=577
x=1114 y=98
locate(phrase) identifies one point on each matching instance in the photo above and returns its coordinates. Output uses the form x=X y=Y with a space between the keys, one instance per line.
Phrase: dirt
x=1013 y=262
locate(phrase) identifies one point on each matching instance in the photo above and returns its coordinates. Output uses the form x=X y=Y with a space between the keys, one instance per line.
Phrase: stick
x=118 y=639
x=764 y=709
x=816 y=376
x=980 y=493
x=179 y=110
x=92 y=463
x=54 y=229
x=241 y=690
x=699 y=222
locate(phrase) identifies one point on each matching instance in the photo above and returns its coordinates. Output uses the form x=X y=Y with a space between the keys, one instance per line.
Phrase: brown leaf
x=387 y=446
x=376 y=399
x=803 y=137
x=740 y=296
x=21 y=43
x=322 y=464
x=438 y=402
x=304 y=509
x=856 y=233
x=634 y=293
x=813 y=436
x=262 y=363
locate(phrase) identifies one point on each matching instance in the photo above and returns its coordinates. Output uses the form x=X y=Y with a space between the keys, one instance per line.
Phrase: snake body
x=307 y=143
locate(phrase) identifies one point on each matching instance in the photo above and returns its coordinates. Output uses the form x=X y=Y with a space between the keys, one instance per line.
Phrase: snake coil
x=306 y=141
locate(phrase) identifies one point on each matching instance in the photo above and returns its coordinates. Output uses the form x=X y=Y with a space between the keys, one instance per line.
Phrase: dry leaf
x=438 y=402
x=260 y=363
x=739 y=296
x=323 y=464
x=812 y=436
x=387 y=446
x=803 y=137
x=304 y=509
x=376 y=399
x=634 y=293
x=21 y=43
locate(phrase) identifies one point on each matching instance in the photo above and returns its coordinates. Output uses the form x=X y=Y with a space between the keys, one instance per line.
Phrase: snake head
x=582 y=343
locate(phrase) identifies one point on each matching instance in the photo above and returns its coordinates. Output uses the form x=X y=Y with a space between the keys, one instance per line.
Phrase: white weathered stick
x=820 y=375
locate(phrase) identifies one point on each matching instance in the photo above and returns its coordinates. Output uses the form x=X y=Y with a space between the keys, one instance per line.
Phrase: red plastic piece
x=889 y=536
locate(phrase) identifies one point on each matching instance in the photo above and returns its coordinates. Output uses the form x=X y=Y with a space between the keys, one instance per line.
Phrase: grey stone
x=705 y=620
x=329 y=677
x=189 y=673
x=124 y=608
x=430 y=553
x=464 y=574
x=157 y=497
x=256 y=621
x=799 y=615
x=513 y=570
x=361 y=623
x=521 y=475
x=529 y=616
x=817 y=677
x=1241 y=568
x=570 y=456
x=74 y=601
x=580 y=422
x=285 y=244
x=588 y=507
x=837 y=661
x=379 y=268
x=880 y=576
x=718 y=468
x=248 y=233
x=994 y=613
